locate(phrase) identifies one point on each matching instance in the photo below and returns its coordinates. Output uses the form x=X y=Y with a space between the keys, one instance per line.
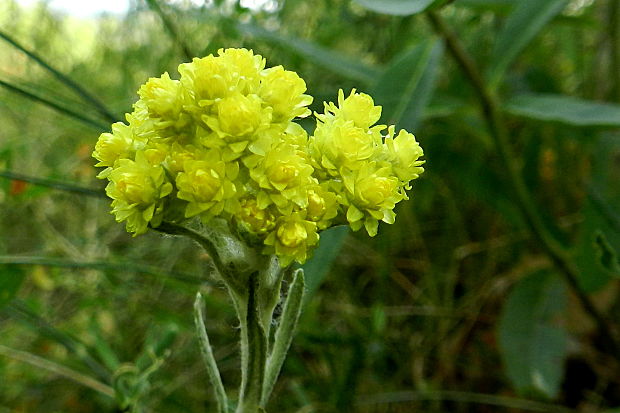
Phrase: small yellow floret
x=204 y=184
x=137 y=188
x=292 y=238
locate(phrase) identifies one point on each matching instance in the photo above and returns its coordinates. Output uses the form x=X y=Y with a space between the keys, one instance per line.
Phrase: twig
x=493 y=117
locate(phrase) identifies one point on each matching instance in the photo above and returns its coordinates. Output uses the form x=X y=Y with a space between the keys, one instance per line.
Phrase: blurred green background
x=495 y=291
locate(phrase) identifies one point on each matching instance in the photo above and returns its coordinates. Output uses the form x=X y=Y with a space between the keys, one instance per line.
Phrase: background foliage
x=496 y=290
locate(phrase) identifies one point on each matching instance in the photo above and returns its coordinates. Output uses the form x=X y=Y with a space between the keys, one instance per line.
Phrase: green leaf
x=532 y=347
x=407 y=85
x=396 y=7
x=207 y=355
x=599 y=232
x=284 y=333
x=521 y=27
x=565 y=109
x=328 y=59
x=59 y=107
x=317 y=268
x=11 y=278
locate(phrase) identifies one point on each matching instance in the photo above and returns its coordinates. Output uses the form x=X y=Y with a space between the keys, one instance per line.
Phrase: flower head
x=222 y=142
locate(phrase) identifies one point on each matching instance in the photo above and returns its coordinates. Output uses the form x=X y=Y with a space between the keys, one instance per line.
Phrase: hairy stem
x=253 y=352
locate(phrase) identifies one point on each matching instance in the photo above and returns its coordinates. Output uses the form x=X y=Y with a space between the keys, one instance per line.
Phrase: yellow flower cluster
x=222 y=142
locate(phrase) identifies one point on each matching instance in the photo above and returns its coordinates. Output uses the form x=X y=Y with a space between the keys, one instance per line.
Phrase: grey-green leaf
x=284 y=333
x=396 y=7
x=207 y=355
x=532 y=346
x=526 y=20
x=407 y=85
x=565 y=109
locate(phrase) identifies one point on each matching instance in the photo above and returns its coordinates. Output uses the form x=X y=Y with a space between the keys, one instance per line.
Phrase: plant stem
x=493 y=117
x=253 y=352
x=226 y=272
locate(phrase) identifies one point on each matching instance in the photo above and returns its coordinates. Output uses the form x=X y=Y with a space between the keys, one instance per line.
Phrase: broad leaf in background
x=324 y=256
x=326 y=58
x=596 y=247
x=396 y=7
x=407 y=85
x=565 y=109
x=532 y=346
x=527 y=19
x=11 y=278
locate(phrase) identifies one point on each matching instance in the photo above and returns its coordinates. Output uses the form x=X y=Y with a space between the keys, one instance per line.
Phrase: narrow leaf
x=524 y=23
x=56 y=106
x=105 y=265
x=406 y=86
x=396 y=7
x=565 y=109
x=58 y=369
x=328 y=59
x=532 y=347
x=171 y=28
x=284 y=334
x=19 y=311
x=66 y=80
x=53 y=183
x=207 y=355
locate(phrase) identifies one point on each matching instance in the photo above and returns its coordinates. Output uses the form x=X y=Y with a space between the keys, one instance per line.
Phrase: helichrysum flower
x=222 y=141
x=138 y=188
x=292 y=238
